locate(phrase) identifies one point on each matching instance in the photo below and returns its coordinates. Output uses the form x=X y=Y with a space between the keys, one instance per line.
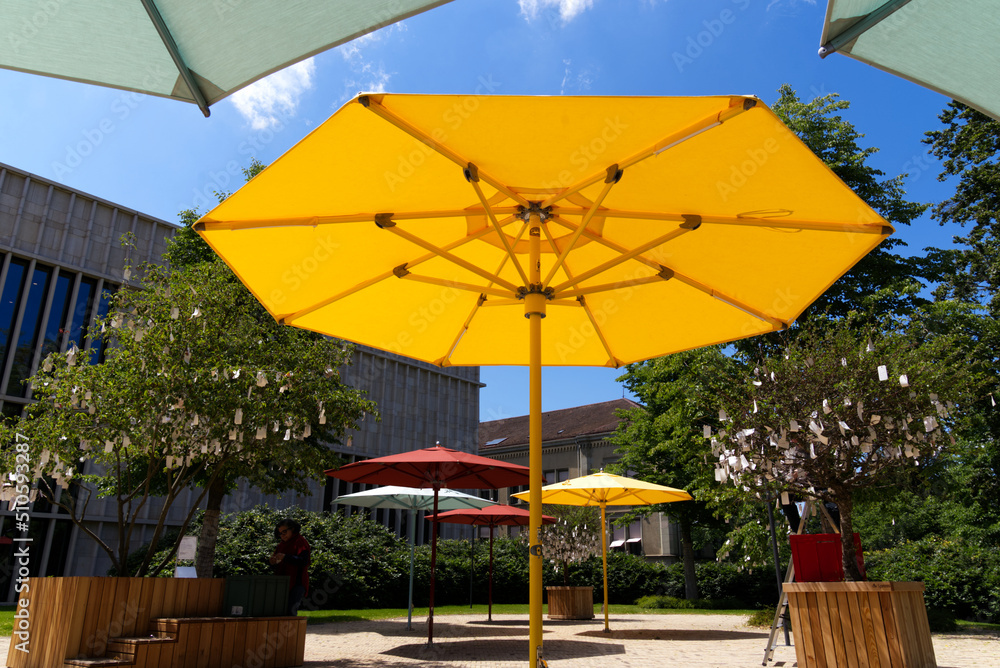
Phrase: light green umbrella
x=947 y=46
x=192 y=50
x=412 y=499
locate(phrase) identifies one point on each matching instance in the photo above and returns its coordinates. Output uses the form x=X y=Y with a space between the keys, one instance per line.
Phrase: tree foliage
x=662 y=441
x=841 y=409
x=575 y=537
x=197 y=388
x=969 y=145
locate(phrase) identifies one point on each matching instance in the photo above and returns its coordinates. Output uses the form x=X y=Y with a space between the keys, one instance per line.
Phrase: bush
x=960 y=578
x=675 y=603
x=762 y=618
x=721 y=581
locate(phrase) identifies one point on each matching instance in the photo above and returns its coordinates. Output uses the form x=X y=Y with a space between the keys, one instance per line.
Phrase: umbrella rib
x=860 y=228
x=613 y=176
x=664 y=274
x=481 y=301
x=315 y=221
x=433 y=144
x=625 y=257
x=472 y=173
x=404 y=273
x=444 y=254
x=708 y=122
x=168 y=41
x=687 y=280
x=289 y=318
x=614 y=361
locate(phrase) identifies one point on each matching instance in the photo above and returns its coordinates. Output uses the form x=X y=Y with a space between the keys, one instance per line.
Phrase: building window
x=97 y=352
x=30 y=324
x=10 y=299
x=81 y=312
x=55 y=326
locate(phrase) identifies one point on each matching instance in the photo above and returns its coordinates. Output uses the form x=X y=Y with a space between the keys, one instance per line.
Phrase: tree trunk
x=687 y=555
x=210 y=528
x=851 y=571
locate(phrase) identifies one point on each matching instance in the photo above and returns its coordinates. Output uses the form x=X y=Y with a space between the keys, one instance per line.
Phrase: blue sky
x=161 y=156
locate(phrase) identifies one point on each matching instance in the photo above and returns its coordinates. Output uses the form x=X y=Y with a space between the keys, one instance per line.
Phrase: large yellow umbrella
x=445 y=228
x=607 y=489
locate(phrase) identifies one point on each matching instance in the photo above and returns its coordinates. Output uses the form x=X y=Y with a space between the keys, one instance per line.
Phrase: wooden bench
x=151 y=623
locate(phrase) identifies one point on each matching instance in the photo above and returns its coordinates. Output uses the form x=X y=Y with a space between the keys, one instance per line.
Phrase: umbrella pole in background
x=434 y=546
x=489 y=616
x=472 y=562
x=534 y=310
x=413 y=548
x=604 y=558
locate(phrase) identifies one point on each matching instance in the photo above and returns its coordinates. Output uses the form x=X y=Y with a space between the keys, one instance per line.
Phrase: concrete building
x=576 y=442
x=61 y=255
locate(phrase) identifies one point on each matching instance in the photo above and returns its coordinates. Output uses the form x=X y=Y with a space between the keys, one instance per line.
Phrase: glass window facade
x=31 y=323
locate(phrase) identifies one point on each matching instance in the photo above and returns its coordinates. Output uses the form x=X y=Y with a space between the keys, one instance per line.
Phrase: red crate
x=818 y=557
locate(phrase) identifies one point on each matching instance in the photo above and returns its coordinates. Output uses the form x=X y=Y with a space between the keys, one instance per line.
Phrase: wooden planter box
x=571 y=602
x=148 y=623
x=876 y=624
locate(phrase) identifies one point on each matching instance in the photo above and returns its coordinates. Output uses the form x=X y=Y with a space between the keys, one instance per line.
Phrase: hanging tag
x=875 y=419
x=175 y=313
x=261 y=379
x=307 y=431
x=904 y=381
x=754 y=405
x=930 y=423
x=793 y=426
x=826 y=407
x=288 y=435
x=261 y=433
x=883 y=373
x=784 y=499
x=232 y=434
x=706 y=431
x=196 y=312
x=236 y=374
x=239 y=416
x=722 y=415
x=108 y=446
x=870 y=348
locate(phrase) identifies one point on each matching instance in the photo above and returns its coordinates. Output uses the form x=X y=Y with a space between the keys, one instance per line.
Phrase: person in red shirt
x=291 y=558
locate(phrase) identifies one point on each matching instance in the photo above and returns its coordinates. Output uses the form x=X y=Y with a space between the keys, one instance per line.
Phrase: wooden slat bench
x=154 y=622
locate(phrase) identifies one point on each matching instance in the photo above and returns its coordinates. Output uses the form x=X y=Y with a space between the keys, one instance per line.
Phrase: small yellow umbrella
x=447 y=227
x=607 y=489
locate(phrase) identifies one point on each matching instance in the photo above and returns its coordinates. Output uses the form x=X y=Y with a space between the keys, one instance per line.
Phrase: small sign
x=188 y=548
x=185 y=572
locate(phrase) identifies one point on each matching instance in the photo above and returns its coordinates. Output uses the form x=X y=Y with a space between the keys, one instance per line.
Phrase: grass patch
x=6 y=620
x=420 y=614
x=983 y=628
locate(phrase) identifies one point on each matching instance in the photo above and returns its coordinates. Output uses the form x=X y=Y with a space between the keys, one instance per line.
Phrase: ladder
x=781 y=613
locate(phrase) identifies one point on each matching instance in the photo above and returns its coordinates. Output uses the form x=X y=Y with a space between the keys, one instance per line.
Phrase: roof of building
x=567 y=423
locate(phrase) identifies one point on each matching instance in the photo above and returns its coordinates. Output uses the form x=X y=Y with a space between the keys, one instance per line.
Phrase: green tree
x=969 y=146
x=197 y=389
x=662 y=442
x=843 y=408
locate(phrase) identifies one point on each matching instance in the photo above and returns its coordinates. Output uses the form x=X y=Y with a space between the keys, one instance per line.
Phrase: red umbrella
x=435 y=468
x=490 y=516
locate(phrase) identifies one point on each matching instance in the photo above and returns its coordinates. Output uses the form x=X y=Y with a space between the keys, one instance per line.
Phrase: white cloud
x=366 y=75
x=575 y=83
x=266 y=102
x=568 y=9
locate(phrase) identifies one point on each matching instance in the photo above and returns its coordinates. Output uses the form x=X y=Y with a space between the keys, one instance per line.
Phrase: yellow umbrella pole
x=604 y=557
x=534 y=310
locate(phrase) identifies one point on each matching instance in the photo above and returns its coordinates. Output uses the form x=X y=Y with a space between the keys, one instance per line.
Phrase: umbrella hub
x=535 y=297
x=536 y=208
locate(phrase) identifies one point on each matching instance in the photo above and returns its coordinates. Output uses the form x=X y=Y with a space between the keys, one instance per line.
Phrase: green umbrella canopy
x=947 y=46
x=192 y=50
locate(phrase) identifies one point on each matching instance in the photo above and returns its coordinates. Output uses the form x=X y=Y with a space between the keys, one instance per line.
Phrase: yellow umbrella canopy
x=607 y=489
x=445 y=228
